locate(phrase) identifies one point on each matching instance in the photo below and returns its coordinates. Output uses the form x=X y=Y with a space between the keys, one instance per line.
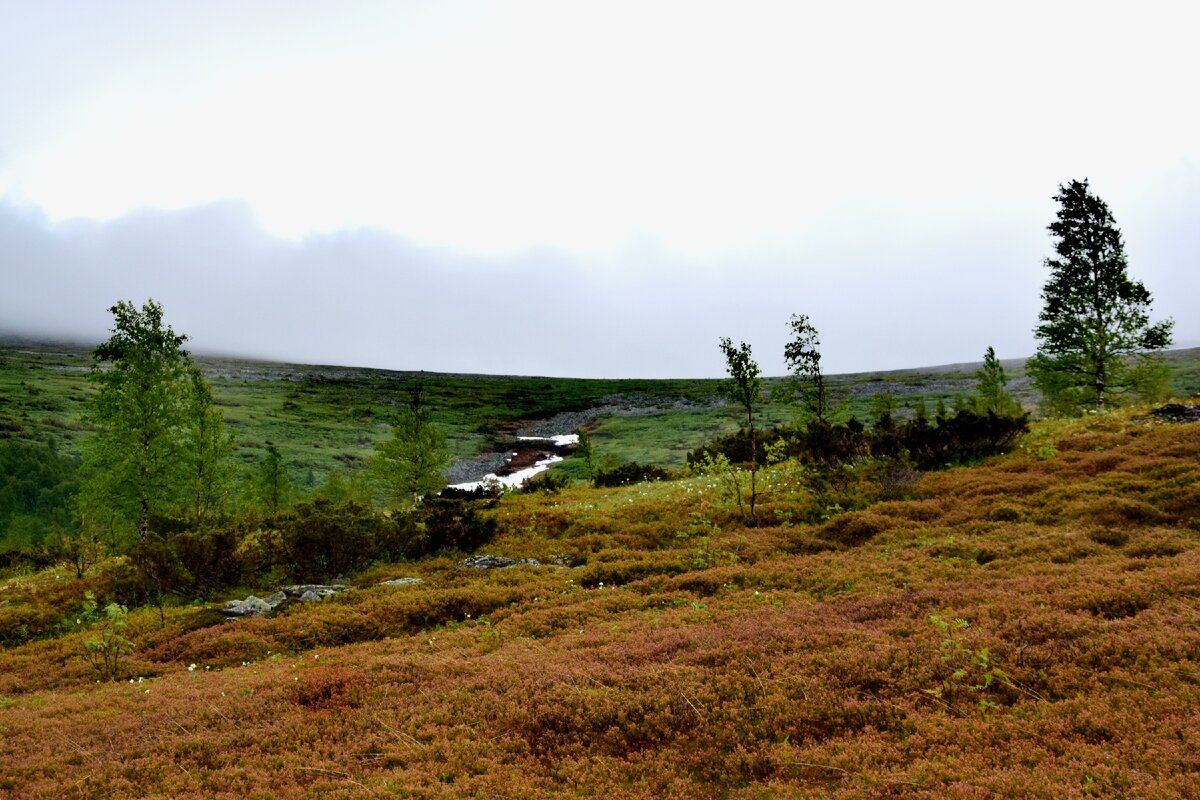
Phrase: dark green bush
x=210 y=559
x=320 y=540
x=455 y=525
x=631 y=472
x=960 y=438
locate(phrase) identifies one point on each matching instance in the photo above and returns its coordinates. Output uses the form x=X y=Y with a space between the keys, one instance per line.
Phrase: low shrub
x=631 y=472
x=209 y=559
x=854 y=528
x=329 y=686
x=455 y=525
x=1113 y=537
x=320 y=540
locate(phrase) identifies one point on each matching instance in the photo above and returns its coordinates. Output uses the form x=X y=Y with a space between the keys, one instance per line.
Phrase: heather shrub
x=329 y=687
x=118 y=580
x=549 y=482
x=854 y=528
x=896 y=480
x=1004 y=513
x=20 y=623
x=1113 y=537
x=1113 y=512
x=626 y=570
x=1157 y=544
x=217 y=645
x=1114 y=604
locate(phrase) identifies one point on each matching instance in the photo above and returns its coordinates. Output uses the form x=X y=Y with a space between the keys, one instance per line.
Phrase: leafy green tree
x=271 y=485
x=134 y=464
x=803 y=358
x=991 y=394
x=412 y=463
x=38 y=486
x=339 y=487
x=744 y=389
x=587 y=452
x=1096 y=342
x=208 y=449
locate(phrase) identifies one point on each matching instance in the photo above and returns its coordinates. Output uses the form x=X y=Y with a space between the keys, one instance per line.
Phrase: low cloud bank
x=883 y=297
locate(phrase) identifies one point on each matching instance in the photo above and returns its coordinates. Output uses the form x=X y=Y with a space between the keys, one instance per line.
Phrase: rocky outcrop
x=1177 y=412
x=305 y=593
x=498 y=562
x=402 y=582
x=313 y=591
x=250 y=607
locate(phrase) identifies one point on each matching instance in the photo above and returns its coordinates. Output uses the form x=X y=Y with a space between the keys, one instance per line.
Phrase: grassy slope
x=688 y=656
x=330 y=417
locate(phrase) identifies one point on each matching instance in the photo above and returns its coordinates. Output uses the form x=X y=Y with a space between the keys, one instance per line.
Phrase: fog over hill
x=883 y=300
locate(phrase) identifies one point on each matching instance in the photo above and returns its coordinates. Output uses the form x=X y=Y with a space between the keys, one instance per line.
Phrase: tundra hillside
x=1025 y=627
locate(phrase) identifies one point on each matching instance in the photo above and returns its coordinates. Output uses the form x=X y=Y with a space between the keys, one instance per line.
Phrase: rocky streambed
x=526 y=457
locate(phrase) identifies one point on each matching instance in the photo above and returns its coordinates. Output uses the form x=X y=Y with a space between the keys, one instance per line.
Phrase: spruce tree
x=413 y=462
x=1096 y=342
x=991 y=394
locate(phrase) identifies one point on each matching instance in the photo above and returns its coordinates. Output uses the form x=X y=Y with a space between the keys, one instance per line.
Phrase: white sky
x=705 y=169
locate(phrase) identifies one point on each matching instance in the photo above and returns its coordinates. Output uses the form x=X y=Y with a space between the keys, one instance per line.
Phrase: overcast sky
x=592 y=189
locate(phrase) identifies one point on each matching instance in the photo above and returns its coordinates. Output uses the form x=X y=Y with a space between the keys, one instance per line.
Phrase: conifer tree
x=1096 y=342
x=413 y=462
x=990 y=389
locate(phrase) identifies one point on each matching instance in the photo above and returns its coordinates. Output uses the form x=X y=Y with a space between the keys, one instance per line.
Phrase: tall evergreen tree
x=991 y=394
x=1096 y=342
x=413 y=462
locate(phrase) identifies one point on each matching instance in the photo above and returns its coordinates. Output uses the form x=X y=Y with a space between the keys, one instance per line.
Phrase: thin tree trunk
x=753 y=466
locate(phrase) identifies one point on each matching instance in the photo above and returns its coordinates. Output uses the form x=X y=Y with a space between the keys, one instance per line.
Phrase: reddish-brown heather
x=1025 y=628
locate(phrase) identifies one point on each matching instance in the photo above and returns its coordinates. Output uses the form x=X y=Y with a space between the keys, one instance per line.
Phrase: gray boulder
x=498 y=562
x=250 y=607
x=402 y=582
x=322 y=590
x=1177 y=412
x=253 y=606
